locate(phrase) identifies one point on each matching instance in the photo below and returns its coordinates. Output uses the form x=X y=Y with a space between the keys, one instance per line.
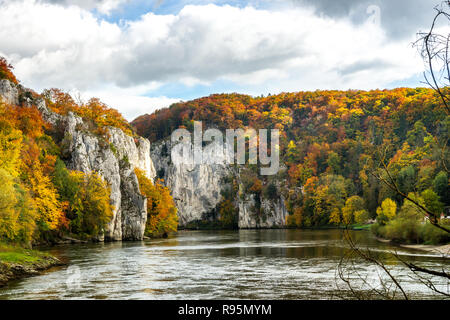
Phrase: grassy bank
x=17 y=262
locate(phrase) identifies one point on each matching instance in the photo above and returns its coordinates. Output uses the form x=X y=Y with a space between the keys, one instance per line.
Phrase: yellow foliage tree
x=90 y=204
x=17 y=209
x=352 y=205
x=386 y=211
x=296 y=219
x=50 y=210
x=361 y=216
x=335 y=216
x=8 y=200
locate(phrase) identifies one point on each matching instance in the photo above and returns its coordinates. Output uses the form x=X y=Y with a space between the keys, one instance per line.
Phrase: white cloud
x=265 y=51
x=106 y=6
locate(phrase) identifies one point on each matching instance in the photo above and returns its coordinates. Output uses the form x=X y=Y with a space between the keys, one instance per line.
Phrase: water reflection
x=245 y=264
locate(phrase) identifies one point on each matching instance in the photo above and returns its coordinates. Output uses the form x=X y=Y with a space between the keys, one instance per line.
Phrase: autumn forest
x=338 y=148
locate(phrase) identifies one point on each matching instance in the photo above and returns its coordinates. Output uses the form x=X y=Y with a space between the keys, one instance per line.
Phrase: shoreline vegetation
x=442 y=249
x=207 y=225
x=17 y=262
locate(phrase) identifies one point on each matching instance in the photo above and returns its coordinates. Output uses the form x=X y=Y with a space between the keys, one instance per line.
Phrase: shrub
x=408 y=226
x=403 y=230
x=94 y=110
x=228 y=214
x=433 y=235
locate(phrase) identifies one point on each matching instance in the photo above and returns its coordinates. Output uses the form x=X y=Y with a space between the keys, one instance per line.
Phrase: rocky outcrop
x=197 y=190
x=114 y=158
x=115 y=161
x=9 y=92
x=272 y=213
x=14 y=271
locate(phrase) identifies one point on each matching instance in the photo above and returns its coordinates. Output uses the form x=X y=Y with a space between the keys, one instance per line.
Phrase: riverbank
x=17 y=263
x=210 y=226
x=443 y=250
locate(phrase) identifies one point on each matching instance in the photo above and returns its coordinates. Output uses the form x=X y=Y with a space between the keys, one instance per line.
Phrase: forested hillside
x=333 y=145
x=41 y=199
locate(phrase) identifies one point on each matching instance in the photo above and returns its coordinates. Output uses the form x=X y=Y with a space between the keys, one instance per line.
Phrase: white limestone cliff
x=114 y=159
x=197 y=191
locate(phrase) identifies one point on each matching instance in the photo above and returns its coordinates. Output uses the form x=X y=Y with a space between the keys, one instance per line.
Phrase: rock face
x=272 y=214
x=9 y=92
x=15 y=271
x=115 y=162
x=197 y=191
x=114 y=159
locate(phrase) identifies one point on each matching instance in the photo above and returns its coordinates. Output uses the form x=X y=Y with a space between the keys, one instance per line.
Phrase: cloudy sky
x=140 y=55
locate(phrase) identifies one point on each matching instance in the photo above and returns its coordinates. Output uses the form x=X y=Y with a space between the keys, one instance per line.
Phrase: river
x=244 y=264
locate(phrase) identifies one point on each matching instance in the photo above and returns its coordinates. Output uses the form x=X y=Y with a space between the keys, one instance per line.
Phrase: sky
x=141 y=55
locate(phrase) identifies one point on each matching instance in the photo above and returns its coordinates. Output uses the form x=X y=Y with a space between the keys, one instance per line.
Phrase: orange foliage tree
x=161 y=211
x=6 y=71
x=94 y=110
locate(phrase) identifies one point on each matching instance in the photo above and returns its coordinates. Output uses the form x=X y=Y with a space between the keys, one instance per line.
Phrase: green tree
x=361 y=216
x=334 y=162
x=441 y=187
x=406 y=179
x=411 y=211
x=291 y=151
x=66 y=185
x=416 y=136
x=432 y=203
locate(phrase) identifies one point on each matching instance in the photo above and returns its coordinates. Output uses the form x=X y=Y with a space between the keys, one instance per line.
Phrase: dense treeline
x=332 y=143
x=40 y=199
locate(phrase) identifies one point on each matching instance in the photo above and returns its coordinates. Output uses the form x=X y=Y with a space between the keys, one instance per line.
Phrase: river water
x=244 y=264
